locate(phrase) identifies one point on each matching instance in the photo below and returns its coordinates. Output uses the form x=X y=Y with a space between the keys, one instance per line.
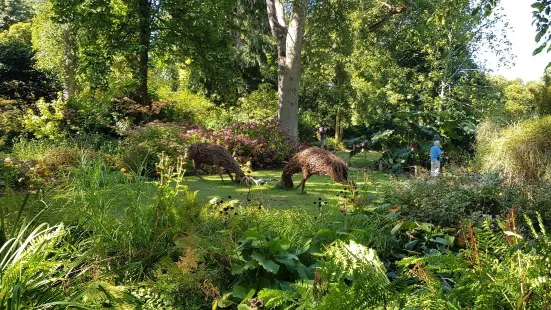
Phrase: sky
x=521 y=36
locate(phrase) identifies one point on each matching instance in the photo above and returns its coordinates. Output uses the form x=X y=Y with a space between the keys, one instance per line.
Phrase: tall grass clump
x=522 y=152
x=133 y=222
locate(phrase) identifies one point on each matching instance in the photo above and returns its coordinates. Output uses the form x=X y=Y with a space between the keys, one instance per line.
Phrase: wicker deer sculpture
x=214 y=155
x=312 y=161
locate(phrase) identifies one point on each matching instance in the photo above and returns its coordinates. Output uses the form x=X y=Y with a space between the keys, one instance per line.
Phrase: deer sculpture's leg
x=197 y=166
x=229 y=173
x=305 y=176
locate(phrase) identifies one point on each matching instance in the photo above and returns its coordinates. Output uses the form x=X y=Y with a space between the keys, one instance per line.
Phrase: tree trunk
x=143 y=65
x=70 y=61
x=338 y=131
x=289 y=47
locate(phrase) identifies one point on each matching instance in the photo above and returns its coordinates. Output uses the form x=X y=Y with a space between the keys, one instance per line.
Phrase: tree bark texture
x=289 y=46
x=338 y=126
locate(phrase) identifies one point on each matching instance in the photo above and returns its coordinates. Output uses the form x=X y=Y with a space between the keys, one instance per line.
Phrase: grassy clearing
x=212 y=186
x=317 y=187
x=323 y=187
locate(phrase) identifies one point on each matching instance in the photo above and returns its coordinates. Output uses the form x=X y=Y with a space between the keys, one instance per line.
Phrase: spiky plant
x=35 y=268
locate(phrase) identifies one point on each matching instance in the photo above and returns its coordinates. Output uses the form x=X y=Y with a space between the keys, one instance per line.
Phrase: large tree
x=132 y=32
x=288 y=21
x=288 y=36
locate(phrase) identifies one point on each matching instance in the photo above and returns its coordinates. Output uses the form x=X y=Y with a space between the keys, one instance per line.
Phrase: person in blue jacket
x=435 y=159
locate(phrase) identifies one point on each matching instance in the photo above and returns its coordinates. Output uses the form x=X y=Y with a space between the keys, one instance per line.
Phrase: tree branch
x=277 y=19
x=392 y=11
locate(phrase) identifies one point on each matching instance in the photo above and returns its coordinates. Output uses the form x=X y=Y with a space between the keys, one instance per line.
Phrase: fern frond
x=277 y=298
x=32 y=264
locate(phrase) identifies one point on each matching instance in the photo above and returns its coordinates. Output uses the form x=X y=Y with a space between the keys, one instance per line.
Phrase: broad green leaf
x=252 y=233
x=251 y=264
x=239 y=291
x=279 y=245
x=289 y=260
x=440 y=240
x=411 y=244
x=303 y=249
x=433 y=252
x=541 y=33
x=396 y=228
x=267 y=264
x=251 y=293
x=223 y=303
x=302 y=271
x=539 y=6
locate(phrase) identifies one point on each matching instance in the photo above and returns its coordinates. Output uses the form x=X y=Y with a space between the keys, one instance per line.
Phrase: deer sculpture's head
x=190 y=152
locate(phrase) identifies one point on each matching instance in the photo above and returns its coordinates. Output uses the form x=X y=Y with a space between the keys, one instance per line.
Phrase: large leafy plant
x=262 y=262
x=350 y=276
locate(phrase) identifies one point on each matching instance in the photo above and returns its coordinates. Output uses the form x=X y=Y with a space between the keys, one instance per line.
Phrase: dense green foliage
x=98 y=209
x=148 y=244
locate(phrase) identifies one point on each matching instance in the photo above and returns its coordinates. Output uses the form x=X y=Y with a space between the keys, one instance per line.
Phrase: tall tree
x=131 y=32
x=56 y=47
x=289 y=37
x=145 y=12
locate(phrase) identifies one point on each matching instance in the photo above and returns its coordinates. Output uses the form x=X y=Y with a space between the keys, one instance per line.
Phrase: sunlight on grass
x=316 y=187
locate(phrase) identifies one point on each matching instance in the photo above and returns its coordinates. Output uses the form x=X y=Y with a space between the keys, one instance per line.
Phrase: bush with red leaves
x=262 y=143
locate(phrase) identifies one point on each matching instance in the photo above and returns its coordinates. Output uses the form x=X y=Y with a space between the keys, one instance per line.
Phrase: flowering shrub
x=263 y=143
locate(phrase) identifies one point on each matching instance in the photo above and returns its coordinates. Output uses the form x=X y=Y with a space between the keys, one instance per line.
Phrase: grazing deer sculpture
x=312 y=161
x=214 y=155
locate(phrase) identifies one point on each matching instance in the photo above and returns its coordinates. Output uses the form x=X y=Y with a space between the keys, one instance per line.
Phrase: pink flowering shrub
x=262 y=143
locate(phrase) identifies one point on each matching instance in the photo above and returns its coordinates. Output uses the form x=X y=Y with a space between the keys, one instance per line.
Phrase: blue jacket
x=435 y=152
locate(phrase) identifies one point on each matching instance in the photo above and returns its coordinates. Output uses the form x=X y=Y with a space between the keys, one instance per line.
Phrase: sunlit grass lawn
x=211 y=186
x=324 y=187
